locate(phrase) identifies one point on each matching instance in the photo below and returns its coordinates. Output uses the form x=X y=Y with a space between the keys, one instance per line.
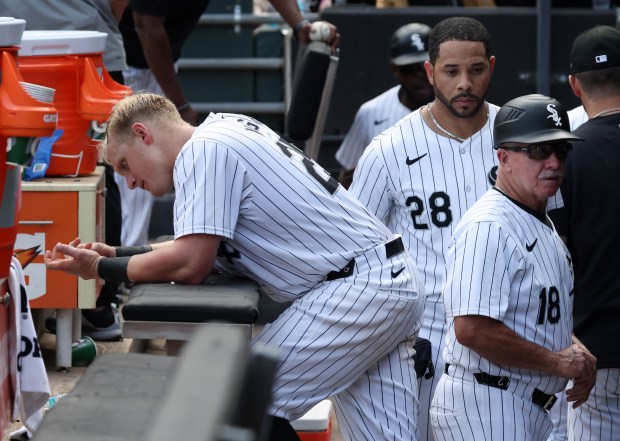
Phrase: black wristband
x=114 y=269
x=298 y=27
x=132 y=251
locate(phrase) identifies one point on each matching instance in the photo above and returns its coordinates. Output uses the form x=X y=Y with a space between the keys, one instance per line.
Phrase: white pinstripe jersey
x=284 y=221
x=420 y=184
x=506 y=263
x=372 y=118
x=577 y=117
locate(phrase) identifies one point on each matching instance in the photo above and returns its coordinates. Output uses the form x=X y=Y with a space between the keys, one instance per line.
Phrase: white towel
x=28 y=375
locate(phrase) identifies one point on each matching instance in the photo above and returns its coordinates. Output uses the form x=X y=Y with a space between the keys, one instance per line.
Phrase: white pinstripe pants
x=599 y=417
x=468 y=411
x=352 y=340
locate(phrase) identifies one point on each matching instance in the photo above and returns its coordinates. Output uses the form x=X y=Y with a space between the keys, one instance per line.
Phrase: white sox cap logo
x=554 y=115
x=416 y=41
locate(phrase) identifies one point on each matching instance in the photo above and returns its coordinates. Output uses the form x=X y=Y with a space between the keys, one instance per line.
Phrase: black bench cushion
x=222 y=298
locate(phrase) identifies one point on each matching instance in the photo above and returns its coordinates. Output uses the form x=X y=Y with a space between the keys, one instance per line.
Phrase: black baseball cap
x=596 y=48
x=409 y=44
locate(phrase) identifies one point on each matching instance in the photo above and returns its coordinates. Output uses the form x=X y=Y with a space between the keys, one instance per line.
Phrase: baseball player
x=588 y=224
x=250 y=203
x=409 y=50
x=578 y=115
x=508 y=292
x=421 y=175
x=154 y=34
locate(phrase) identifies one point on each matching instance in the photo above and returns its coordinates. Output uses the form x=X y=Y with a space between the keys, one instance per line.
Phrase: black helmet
x=410 y=44
x=532 y=119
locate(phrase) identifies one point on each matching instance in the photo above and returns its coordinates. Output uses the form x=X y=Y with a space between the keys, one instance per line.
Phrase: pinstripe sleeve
x=209 y=190
x=481 y=262
x=371 y=181
x=355 y=142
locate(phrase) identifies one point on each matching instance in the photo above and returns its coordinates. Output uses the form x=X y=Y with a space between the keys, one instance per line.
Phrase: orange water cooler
x=71 y=63
x=69 y=201
x=21 y=115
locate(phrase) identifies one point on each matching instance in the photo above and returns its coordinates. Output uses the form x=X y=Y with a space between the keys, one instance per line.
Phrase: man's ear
x=428 y=67
x=503 y=158
x=141 y=131
x=574 y=84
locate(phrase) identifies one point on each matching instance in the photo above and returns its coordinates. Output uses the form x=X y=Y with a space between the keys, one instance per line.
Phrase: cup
x=83 y=352
x=21 y=150
x=38 y=92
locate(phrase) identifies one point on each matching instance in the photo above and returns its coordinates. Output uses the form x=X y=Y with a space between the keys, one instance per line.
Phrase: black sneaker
x=100 y=325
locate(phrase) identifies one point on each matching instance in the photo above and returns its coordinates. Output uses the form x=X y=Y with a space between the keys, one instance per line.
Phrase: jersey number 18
x=549 y=306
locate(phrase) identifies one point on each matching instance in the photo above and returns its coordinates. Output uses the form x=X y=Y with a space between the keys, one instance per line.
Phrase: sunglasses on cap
x=540 y=152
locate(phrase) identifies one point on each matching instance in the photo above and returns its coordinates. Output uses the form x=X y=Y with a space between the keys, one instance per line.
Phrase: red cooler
x=21 y=115
x=71 y=63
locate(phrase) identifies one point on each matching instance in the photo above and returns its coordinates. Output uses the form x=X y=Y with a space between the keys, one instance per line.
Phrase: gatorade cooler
x=316 y=424
x=71 y=63
x=21 y=115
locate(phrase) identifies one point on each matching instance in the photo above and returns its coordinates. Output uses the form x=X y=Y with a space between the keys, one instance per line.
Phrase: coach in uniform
x=589 y=223
x=408 y=51
x=422 y=174
x=508 y=292
x=243 y=192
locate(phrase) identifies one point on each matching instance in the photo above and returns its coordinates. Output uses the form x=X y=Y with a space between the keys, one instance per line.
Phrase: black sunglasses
x=540 y=152
x=411 y=69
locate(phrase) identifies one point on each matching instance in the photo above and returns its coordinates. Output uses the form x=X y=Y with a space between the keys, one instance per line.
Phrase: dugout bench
x=204 y=394
x=174 y=312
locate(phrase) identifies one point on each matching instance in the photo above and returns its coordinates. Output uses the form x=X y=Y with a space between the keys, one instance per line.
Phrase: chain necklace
x=451 y=135
x=608 y=111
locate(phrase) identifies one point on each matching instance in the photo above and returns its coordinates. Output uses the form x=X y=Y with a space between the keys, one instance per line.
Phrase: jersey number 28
x=439 y=204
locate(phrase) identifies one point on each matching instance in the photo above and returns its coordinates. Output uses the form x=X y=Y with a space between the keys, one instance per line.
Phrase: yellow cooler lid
x=41 y=43
x=11 y=30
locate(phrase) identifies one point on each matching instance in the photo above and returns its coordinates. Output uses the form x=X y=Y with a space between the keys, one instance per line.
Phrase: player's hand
x=101 y=248
x=333 y=40
x=582 y=385
x=579 y=393
x=81 y=262
x=576 y=362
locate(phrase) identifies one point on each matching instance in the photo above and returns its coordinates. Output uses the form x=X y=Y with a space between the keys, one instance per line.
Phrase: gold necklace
x=451 y=135
x=606 y=112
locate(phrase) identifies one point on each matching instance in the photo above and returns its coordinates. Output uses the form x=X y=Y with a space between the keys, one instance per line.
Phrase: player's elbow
x=465 y=331
x=189 y=275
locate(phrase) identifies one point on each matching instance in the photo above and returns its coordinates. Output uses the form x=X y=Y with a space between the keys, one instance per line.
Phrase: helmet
x=532 y=119
x=409 y=44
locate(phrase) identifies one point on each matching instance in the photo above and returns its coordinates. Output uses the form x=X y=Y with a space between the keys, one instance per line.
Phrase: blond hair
x=142 y=107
